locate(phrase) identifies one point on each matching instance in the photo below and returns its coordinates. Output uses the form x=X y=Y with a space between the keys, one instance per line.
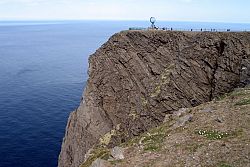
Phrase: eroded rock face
x=139 y=76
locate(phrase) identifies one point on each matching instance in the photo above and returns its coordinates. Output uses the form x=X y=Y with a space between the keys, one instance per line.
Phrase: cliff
x=138 y=77
x=214 y=134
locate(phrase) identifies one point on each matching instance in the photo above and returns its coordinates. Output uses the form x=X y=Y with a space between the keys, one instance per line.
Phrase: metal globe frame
x=152 y=21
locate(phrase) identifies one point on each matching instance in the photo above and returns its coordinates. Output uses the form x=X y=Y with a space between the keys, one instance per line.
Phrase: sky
x=232 y=11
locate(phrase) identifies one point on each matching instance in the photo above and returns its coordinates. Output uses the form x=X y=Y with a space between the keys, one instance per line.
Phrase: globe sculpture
x=152 y=20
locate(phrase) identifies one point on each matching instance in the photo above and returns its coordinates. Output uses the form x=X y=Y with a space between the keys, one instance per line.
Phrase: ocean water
x=43 y=70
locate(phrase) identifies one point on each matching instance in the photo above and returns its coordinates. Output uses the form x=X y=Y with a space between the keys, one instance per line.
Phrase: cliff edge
x=138 y=77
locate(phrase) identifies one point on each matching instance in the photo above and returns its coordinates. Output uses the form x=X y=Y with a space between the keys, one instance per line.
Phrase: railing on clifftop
x=194 y=30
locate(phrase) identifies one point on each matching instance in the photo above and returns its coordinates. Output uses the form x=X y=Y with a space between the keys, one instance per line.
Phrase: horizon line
x=121 y=20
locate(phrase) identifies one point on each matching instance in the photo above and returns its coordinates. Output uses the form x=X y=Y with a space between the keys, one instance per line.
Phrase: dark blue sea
x=43 y=70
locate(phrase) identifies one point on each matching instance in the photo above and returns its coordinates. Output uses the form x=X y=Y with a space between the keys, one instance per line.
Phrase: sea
x=43 y=71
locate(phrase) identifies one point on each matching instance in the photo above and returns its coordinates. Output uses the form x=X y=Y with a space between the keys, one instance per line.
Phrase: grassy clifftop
x=212 y=134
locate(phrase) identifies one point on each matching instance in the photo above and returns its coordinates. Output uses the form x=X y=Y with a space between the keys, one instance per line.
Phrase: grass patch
x=152 y=147
x=222 y=97
x=131 y=142
x=236 y=93
x=223 y=164
x=192 y=147
x=243 y=102
x=115 y=162
x=102 y=153
x=240 y=92
x=150 y=141
x=153 y=140
x=212 y=135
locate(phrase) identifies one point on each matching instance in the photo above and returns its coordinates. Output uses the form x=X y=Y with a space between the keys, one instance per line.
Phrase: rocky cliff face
x=138 y=77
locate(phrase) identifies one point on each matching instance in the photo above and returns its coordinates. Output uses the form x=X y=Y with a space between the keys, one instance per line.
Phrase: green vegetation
x=150 y=141
x=115 y=162
x=222 y=97
x=240 y=92
x=152 y=147
x=243 y=102
x=153 y=140
x=131 y=142
x=212 y=135
x=236 y=93
x=102 y=153
x=224 y=165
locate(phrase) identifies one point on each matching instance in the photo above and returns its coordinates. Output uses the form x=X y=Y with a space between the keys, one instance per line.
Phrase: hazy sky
x=173 y=10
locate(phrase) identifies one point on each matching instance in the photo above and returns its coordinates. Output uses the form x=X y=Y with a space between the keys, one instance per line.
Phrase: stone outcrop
x=137 y=77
